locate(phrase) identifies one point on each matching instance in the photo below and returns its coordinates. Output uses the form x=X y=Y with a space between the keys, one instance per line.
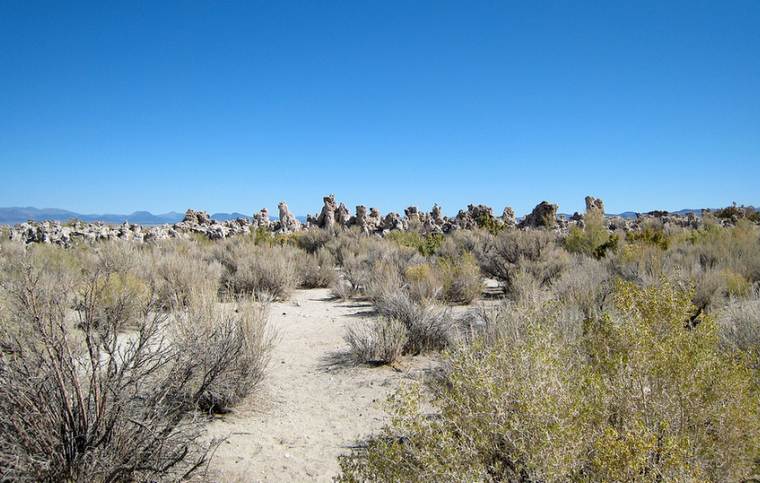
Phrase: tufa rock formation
x=544 y=215
x=288 y=222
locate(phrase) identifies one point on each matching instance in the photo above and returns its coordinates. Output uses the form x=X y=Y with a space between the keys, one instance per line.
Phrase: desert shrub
x=509 y=320
x=422 y=282
x=227 y=346
x=587 y=286
x=371 y=262
x=313 y=240
x=650 y=234
x=376 y=341
x=105 y=288
x=739 y=324
x=736 y=248
x=426 y=245
x=459 y=242
x=263 y=236
x=428 y=326
x=317 y=270
x=593 y=239
x=641 y=263
x=78 y=400
x=182 y=275
x=736 y=284
x=461 y=278
x=638 y=396
x=383 y=280
x=343 y=243
x=535 y=252
x=490 y=223
x=356 y=274
x=342 y=289
x=261 y=270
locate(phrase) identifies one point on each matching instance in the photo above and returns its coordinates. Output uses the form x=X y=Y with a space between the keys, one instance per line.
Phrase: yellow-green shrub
x=426 y=244
x=422 y=282
x=639 y=396
x=593 y=239
x=461 y=278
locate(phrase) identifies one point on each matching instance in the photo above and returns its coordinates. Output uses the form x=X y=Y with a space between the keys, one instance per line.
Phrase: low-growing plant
x=260 y=270
x=428 y=326
x=376 y=341
x=317 y=270
x=228 y=345
x=739 y=324
x=182 y=276
x=461 y=278
x=587 y=286
x=593 y=240
x=511 y=252
x=650 y=234
x=423 y=282
x=426 y=245
x=314 y=239
x=489 y=223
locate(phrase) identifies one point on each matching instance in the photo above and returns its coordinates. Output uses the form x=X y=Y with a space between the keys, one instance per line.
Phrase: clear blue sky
x=233 y=106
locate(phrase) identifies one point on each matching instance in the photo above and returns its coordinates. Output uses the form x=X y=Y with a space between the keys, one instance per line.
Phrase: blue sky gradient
x=233 y=106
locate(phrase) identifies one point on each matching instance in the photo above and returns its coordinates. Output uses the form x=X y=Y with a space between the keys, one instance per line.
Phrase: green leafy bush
x=427 y=245
x=651 y=234
x=489 y=223
x=593 y=239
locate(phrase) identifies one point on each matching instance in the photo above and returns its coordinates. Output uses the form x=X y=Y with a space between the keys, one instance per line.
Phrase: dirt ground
x=314 y=404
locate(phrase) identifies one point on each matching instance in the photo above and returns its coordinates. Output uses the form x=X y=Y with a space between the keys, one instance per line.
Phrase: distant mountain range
x=632 y=214
x=14 y=215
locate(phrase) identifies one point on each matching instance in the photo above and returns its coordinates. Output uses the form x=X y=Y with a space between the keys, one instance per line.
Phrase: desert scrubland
x=383 y=348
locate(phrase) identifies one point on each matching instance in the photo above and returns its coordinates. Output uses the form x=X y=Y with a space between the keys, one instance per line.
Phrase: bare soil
x=315 y=404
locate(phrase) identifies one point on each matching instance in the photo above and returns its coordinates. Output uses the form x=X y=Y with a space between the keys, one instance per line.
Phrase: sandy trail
x=313 y=404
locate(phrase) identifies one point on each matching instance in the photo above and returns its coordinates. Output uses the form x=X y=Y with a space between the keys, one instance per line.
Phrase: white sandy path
x=312 y=407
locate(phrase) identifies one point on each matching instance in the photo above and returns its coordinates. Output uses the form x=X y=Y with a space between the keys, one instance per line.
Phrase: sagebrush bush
x=428 y=326
x=423 y=282
x=227 y=346
x=376 y=341
x=536 y=252
x=181 y=275
x=260 y=270
x=79 y=400
x=314 y=239
x=426 y=245
x=317 y=270
x=461 y=278
x=459 y=242
x=650 y=234
x=739 y=324
x=637 y=396
x=587 y=286
x=343 y=289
